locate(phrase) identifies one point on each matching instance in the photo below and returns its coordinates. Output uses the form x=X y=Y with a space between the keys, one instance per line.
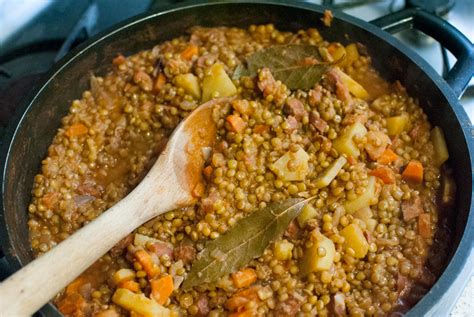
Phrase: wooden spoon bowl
x=173 y=182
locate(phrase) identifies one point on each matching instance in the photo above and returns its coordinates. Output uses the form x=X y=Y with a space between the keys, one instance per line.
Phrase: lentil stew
x=362 y=147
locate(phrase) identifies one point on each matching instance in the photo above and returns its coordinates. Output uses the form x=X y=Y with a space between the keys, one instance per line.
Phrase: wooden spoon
x=171 y=183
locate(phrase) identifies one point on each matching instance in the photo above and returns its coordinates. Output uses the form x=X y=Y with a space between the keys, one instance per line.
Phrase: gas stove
x=34 y=34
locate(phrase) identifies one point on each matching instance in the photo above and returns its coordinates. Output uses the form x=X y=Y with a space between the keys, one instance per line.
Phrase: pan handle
x=447 y=35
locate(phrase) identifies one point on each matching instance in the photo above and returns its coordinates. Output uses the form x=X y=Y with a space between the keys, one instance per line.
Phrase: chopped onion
x=177 y=280
x=298 y=297
x=206 y=152
x=218 y=255
x=83 y=199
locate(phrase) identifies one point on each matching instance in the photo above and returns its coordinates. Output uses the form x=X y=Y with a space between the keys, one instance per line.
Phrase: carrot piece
x=260 y=128
x=236 y=123
x=199 y=190
x=76 y=129
x=424 y=225
x=207 y=171
x=351 y=160
x=119 y=60
x=413 y=172
x=50 y=199
x=244 y=277
x=72 y=304
x=385 y=174
x=245 y=313
x=130 y=285
x=161 y=289
x=189 y=52
x=387 y=157
x=76 y=285
x=159 y=82
x=144 y=258
x=241 y=298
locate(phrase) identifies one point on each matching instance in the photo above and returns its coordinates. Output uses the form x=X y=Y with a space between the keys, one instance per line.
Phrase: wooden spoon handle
x=26 y=291
x=29 y=289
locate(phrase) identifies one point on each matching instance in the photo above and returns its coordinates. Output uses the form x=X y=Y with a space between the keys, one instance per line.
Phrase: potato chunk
x=440 y=147
x=216 y=83
x=354 y=87
x=355 y=239
x=366 y=199
x=320 y=256
x=307 y=212
x=397 y=124
x=330 y=172
x=293 y=166
x=344 y=144
x=139 y=304
x=283 y=250
x=190 y=84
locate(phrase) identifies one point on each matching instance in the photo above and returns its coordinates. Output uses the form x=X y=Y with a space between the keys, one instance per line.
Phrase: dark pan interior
x=39 y=123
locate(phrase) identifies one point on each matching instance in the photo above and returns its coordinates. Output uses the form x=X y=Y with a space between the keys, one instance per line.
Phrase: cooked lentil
x=115 y=131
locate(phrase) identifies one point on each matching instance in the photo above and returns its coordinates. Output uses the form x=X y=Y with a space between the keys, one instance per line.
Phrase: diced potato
x=216 y=82
x=439 y=144
x=337 y=51
x=363 y=213
x=344 y=144
x=123 y=275
x=352 y=54
x=293 y=166
x=307 y=212
x=324 y=52
x=354 y=87
x=366 y=199
x=330 y=172
x=190 y=84
x=320 y=256
x=397 y=124
x=371 y=224
x=141 y=240
x=283 y=250
x=354 y=238
x=139 y=304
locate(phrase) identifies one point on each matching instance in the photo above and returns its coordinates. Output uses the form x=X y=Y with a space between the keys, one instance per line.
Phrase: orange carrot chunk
x=189 y=52
x=424 y=225
x=385 y=174
x=239 y=299
x=76 y=285
x=76 y=129
x=144 y=258
x=236 y=123
x=387 y=157
x=130 y=285
x=50 y=199
x=260 y=128
x=413 y=172
x=245 y=313
x=161 y=289
x=207 y=171
x=72 y=304
x=159 y=82
x=244 y=277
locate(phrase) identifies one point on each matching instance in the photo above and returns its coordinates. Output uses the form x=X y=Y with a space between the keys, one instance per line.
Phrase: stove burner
x=438 y=7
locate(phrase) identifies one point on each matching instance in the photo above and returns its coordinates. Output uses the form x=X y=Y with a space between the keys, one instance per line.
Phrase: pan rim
x=459 y=259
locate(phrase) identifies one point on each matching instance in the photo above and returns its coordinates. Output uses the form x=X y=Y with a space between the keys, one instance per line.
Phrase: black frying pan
x=31 y=133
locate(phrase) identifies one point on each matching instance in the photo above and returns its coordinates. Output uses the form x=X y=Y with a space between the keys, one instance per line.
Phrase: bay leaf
x=297 y=66
x=246 y=240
